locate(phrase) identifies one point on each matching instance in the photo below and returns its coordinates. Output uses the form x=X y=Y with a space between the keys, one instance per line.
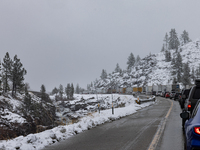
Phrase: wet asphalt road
x=172 y=137
x=134 y=132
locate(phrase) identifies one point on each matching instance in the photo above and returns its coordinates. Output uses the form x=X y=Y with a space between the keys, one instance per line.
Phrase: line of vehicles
x=172 y=95
x=189 y=100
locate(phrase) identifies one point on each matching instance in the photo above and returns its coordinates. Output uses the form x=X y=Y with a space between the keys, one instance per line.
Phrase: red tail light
x=189 y=106
x=197 y=130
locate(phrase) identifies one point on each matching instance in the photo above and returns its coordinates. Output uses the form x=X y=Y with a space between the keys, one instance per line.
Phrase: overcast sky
x=71 y=41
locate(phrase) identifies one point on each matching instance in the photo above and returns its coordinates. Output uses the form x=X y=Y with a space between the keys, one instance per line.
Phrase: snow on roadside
x=48 y=137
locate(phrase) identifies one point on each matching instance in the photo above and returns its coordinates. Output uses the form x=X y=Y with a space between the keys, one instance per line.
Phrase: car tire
x=183 y=123
x=185 y=143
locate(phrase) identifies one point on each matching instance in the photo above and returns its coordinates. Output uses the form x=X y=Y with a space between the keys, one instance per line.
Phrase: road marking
x=160 y=130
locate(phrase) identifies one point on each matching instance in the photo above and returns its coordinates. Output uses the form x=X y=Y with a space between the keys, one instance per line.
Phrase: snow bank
x=48 y=137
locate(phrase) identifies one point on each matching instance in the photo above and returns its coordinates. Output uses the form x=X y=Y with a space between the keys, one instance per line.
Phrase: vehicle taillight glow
x=189 y=106
x=197 y=130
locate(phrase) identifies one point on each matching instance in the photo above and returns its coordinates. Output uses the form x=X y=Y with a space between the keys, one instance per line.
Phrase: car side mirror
x=184 y=115
x=183 y=96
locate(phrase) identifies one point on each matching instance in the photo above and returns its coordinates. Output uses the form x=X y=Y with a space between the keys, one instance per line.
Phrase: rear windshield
x=186 y=92
x=196 y=93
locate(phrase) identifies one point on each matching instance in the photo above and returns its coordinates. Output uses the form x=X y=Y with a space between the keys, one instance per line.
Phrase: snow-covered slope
x=153 y=69
x=48 y=137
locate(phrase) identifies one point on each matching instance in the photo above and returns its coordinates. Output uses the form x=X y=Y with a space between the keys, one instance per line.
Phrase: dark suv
x=194 y=96
x=183 y=96
x=191 y=101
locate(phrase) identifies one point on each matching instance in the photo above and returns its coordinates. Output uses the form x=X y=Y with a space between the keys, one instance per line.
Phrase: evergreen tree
x=138 y=59
x=43 y=93
x=77 y=89
x=27 y=100
x=193 y=74
x=174 y=81
x=163 y=48
x=61 y=91
x=117 y=69
x=166 y=40
x=184 y=38
x=186 y=75
x=67 y=91
x=131 y=61
x=17 y=75
x=179 y=66
x=72 y=91
x=173 y=63
x=88 y=87
x=167 y=56
x=7 y=62
x=173 y=40
x=54 y=91
x=198 y=72
x=103 y=75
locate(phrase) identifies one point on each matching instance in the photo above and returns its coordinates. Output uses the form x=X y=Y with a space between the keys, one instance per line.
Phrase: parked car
x=192 y=128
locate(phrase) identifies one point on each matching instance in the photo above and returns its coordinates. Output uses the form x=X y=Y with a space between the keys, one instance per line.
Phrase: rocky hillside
x=19 y=118
x=153 y=69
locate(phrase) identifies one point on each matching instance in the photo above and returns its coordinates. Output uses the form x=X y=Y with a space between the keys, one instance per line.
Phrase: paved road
x=172 y=137
x=134 y=132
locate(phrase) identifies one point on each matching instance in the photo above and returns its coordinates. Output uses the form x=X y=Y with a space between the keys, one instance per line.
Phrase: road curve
x=134 y=132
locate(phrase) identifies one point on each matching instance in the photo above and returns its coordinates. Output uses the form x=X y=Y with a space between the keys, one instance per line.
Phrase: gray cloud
x=67 y=41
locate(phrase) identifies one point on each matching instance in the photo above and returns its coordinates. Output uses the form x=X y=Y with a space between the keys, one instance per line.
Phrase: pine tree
x=173 y=63
x=131 y=61
x=60 y=90
x=27 y=100
x=103 y=75
x=173 y=40
x=163 y=48
x=167 y=56
x=138 y=59
x=7 y=62
x=54 y=91
x=166 y=40
x=193 y=74
x=184 y=38
x=72 y=91
x=67 y=91
x=186 y=75
x=179 y=66
x=77 y=89
x=117 y=69
x=43 y=93
x=198 y=72
x=17 y=75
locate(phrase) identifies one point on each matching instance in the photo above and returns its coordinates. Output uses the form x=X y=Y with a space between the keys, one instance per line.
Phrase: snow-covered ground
x=48 y=137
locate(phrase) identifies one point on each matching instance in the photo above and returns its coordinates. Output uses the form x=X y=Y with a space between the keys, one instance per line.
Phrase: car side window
x=195 y=110
x=196 y=94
